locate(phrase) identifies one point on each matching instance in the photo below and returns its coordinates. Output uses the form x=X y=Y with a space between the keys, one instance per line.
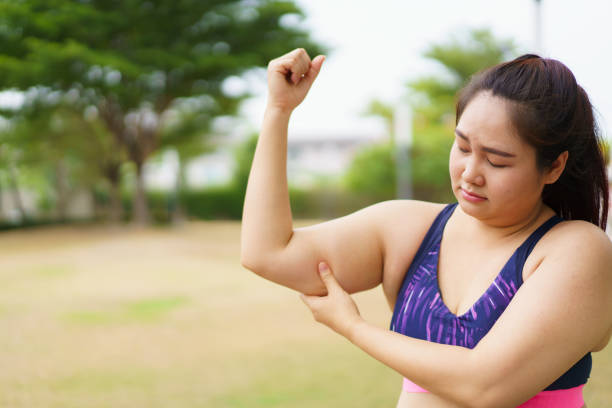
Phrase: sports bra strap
x=523 y=252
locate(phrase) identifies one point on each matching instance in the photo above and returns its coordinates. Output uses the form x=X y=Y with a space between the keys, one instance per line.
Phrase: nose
x=472 y=173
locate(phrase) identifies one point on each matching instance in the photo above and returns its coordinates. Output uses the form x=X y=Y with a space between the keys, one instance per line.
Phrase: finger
x=292 y=69
x=300 y=69
x=313 y=71
x=296 y=78
x=315 y=67
x=293 y=65
x=300 y=64
x=328 y=277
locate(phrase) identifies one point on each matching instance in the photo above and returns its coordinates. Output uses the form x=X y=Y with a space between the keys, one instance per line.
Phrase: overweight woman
x=498 y=299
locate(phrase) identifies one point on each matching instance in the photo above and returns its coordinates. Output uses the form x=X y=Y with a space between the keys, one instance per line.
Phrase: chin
x=476 y=210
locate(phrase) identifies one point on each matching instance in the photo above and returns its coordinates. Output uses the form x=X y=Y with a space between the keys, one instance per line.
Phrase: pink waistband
x=569 y=398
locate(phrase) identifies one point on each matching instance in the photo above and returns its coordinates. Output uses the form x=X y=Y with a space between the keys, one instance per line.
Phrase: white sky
x=377 y=47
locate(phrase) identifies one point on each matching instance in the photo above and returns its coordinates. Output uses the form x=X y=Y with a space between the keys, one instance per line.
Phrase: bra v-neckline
x=491 y=286
x=481 y=298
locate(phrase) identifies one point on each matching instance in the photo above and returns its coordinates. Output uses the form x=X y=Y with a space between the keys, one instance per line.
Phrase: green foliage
x=460 y=58
x=604 y=145
x=373 y=171
x=243 y=156
x=135 y=51
x=430 y=163
x=154 y=70
x=383 y=110
x=479 y=50
x=223 y=202
x=56 y=152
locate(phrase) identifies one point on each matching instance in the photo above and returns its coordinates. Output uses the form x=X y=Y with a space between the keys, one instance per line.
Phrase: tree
x=182 y=134
x=73 y=152
x=432 y=99
x=460 y=58
x=136 y=60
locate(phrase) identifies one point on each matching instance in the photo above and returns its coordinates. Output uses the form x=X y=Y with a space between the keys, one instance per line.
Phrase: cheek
x=514 y=184
x=454 y=164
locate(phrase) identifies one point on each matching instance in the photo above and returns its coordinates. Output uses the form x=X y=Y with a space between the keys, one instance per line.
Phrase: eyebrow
x=486 y=149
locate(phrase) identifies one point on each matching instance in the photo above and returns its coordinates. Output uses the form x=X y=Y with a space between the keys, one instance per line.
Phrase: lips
x=471 y=196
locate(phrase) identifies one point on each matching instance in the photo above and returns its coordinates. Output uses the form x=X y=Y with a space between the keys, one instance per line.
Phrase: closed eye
x=498 y=166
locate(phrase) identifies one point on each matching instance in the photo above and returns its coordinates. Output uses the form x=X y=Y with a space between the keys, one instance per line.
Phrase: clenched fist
x=290 y=77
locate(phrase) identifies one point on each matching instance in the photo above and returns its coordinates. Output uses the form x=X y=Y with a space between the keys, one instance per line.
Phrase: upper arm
x=559 y=314
x=354 y=246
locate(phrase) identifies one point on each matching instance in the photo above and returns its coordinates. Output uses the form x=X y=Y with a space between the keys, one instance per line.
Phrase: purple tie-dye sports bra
x=420 y=312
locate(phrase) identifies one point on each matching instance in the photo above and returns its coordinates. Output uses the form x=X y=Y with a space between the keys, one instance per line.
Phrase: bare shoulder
x=400 y=216
x=393 y=218
x=576 y=240
x=577 y=246
x=577 y=257
x=388 y=215
x=579 y=253
x=402 y=227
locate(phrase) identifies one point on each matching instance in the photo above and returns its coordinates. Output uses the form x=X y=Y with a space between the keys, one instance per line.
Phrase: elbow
x=490 y=400
x=250 y=255
x=469 y=396
x=472 y=399
x=256 y=262
x=490 y=396
x=250 y=262
x=485 y=388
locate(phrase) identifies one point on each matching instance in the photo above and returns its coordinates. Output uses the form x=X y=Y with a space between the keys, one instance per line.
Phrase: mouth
x=471 y=196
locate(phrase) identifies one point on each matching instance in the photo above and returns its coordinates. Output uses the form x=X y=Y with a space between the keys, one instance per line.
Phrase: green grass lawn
x=96 y=317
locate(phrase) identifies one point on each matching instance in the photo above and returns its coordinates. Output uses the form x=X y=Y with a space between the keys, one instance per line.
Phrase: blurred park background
x=127 y=130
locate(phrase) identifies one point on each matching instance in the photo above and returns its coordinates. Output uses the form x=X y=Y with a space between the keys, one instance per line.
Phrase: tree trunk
x=178 y=212
x=140 y=142
x=112 y=173
x=61 y=189
x=116 y=207
x=140 y=209
x=12 y=177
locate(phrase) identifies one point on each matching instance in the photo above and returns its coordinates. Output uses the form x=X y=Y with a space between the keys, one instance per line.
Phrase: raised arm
x=354 y=244
x=270 y=247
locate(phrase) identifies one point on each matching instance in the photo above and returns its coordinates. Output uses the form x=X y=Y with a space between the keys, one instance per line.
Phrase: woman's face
x=493 y=171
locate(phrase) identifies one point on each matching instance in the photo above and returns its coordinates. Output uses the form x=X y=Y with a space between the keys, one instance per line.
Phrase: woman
x=499 y=299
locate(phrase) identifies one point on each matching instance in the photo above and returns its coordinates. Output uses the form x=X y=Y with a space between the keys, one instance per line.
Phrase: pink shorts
x=569 y=398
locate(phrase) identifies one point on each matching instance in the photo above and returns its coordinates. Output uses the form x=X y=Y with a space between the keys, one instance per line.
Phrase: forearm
x=266 y=219
x=450 y=372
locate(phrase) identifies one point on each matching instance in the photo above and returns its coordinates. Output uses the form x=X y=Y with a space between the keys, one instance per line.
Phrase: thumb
x=327 y=276
x=315 y=68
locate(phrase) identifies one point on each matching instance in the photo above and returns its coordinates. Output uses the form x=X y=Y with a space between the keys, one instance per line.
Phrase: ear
x=556 y=168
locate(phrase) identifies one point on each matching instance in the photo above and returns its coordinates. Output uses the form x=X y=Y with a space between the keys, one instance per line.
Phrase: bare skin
x=567 y=277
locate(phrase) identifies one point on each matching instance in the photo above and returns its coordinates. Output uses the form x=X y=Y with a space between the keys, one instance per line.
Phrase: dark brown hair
x=552 y=113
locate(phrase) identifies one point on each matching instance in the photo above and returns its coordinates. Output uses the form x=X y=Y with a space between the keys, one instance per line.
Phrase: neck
x=500 y=229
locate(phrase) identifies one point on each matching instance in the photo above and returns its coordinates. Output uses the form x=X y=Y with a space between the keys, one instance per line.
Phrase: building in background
x=311 y=159
x=315 y=158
